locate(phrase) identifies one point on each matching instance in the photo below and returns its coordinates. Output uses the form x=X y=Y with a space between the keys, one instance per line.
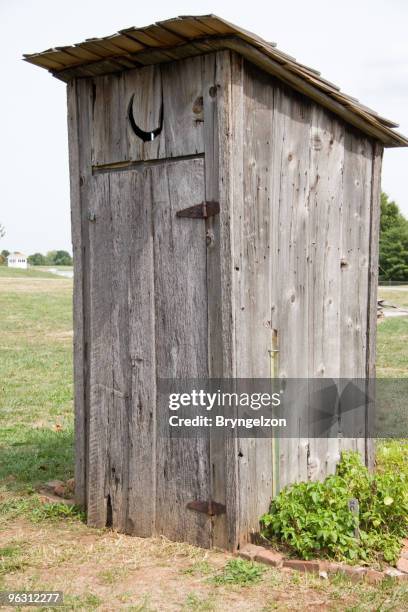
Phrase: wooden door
x=148 y=289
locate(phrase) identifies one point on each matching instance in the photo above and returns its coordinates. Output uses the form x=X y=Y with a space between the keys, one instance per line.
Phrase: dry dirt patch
x=103 y=570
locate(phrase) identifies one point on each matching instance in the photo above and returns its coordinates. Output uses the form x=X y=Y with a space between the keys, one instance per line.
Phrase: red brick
x=333 y=568
x=270 y=557
x=402 y=565
x=249 y=551
x=52 y=499
x=52 y=484
x=373 y=576
x=392 y=572
x=302 y=566
x=59 y=490
x=354 y=572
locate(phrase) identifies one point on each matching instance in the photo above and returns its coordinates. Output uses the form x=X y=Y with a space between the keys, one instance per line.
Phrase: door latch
x=200 y=211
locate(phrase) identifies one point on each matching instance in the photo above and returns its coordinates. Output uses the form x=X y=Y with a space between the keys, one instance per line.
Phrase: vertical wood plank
x=375 y=215
x=326 y=192
x=183 y=106
x=230 y=116
x=109 y=136
x=290 y=260
x=183 y=468
x=214 y=316
x=143 y=415
x=79 y=121
x=355 y=267
x=101 y=370
x=121 y=202
x=252 y=287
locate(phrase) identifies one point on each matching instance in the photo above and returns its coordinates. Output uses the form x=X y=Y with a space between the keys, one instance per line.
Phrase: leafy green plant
x=56 y=511
x=36 y=511
x=239 y=571
x=313 y=518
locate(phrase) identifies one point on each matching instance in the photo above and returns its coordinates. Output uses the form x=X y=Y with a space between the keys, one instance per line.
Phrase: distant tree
x=5 y=253
x=37 y=259
x=393 y=242
x=2 y=260
x=63 y=258
x=50 y=257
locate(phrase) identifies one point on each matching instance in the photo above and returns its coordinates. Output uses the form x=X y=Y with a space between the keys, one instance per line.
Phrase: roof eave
x=196 y=35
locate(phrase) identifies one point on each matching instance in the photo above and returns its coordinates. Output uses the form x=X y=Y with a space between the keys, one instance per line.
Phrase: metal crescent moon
x=145 y=136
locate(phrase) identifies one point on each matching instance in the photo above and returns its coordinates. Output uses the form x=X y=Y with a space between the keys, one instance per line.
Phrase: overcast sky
x=361 y=45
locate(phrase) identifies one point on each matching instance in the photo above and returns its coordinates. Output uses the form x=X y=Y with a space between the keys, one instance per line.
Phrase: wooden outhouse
x=225 y=218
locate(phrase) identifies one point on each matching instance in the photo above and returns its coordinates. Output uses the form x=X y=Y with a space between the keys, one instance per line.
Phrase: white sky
x=362 y=45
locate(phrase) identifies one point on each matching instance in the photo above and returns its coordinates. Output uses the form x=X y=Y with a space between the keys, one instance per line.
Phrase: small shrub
x=56 y=511
x=313 y=518
x=239 y=571
x=36 y=511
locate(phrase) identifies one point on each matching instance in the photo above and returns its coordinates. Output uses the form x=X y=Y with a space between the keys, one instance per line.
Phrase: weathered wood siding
x=148 y=295
x=178 y=84
x=289 y=264
x=305 y=210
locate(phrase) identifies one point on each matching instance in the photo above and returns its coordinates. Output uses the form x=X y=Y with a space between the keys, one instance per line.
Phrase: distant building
x=17 y=260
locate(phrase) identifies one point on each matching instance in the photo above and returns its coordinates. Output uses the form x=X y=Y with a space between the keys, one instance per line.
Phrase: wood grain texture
x=182 y=464
x=290 y=260
x=101 y=364
x=375 y=215
x=218 y=490
x=178 y=84
x=325 y=203
x=230 y=104
x=79 y=121
x=289 y=263
x=143 y=415
x=252 y=286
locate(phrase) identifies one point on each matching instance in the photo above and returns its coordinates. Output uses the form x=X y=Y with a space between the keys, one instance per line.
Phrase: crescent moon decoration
x=145 y=136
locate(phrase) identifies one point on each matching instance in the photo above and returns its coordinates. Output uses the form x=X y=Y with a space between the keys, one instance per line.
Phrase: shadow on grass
x=29 y=457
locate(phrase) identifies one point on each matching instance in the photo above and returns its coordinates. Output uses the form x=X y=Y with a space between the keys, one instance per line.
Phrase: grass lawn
x=44 y=546
x=396 y=295
x=8 y=273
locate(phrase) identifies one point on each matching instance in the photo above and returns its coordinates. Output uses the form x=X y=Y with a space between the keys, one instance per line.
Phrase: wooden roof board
x=187 y=36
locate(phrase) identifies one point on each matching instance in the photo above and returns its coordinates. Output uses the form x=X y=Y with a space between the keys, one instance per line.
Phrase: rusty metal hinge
x=210 y=507
x=200 y=211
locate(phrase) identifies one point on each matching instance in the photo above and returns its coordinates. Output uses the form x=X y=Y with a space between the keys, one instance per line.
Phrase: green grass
x=241 y=572
x=394 y=296
x=36 y=387
x=392 y=348
x=11 y=558
x=36 y=445
x=6 y=272
x=392 y=456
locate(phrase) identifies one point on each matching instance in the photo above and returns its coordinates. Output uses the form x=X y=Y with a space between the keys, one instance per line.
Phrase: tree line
x=52 y=258
x=393 y=260
x=393 y=264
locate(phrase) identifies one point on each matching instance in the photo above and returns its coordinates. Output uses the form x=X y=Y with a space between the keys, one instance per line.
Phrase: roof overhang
x=182 y=37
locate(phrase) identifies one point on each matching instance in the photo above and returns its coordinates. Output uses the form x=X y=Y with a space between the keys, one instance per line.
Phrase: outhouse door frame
x=222 y=101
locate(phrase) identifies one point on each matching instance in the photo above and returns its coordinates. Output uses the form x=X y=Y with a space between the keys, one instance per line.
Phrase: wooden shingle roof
x=182 y=37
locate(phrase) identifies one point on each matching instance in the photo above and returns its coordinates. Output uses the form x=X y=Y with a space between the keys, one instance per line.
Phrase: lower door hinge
x=211 y=508
x=200 y=211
